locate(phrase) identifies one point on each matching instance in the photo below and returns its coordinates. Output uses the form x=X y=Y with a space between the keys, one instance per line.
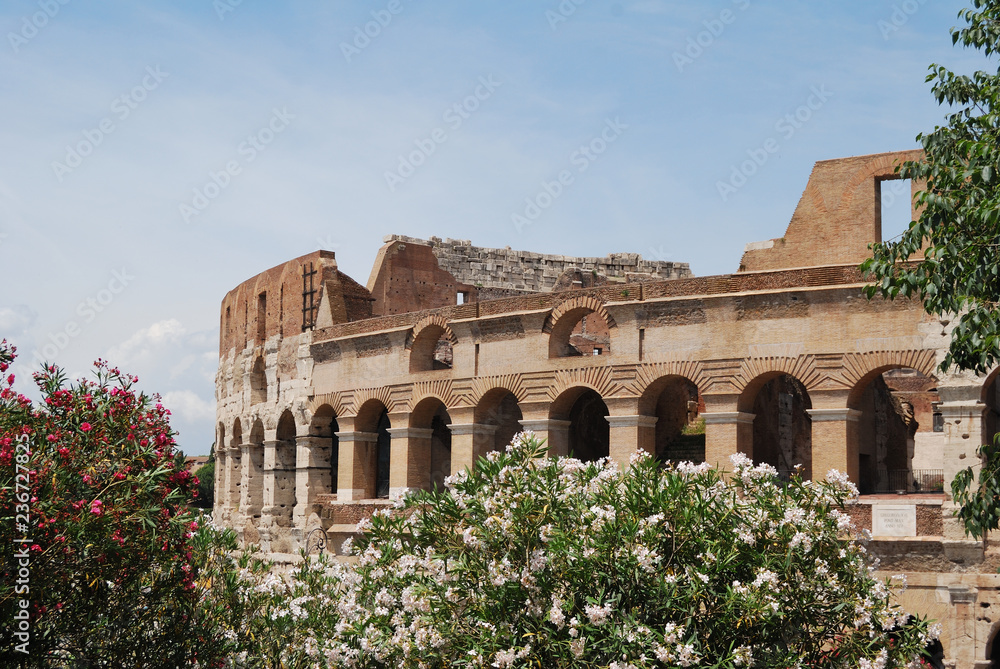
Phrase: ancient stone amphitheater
x=335 y=397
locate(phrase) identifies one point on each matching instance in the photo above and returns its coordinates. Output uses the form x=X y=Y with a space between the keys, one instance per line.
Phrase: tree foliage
x=957 y=235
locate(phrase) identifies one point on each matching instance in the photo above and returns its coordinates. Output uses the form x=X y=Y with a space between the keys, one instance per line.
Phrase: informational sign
x=894 y=520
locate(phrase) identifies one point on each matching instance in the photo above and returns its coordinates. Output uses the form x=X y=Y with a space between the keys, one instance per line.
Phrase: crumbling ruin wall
x=537 y=272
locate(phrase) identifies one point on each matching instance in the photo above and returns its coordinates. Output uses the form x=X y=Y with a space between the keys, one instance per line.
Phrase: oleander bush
x=536 y=562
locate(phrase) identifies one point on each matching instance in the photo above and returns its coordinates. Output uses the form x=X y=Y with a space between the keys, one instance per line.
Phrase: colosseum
x=335 y=397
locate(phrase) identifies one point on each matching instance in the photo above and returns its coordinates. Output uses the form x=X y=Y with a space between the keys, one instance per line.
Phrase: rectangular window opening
x=262 y=317
x=895 y=209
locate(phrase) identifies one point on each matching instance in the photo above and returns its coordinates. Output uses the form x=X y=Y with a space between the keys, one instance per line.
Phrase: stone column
x=410 y=460
x=221 y=507
x=251 y=481
x=356 y=473
x=726 y=433
x=279 y=482
x=630 y=434
x=556 y=432
x=312 y=474
x=234 y=476
x=835 y=442
x=964 y=433
x=469 y=442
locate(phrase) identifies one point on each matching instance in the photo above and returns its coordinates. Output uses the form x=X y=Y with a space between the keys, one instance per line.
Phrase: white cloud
x=188 y=406
x=16 y=320
x=146 y=341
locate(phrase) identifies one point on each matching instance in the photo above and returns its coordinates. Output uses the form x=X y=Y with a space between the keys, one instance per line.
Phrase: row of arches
x=893 y=414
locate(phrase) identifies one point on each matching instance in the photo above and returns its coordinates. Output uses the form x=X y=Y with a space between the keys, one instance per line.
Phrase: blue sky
x=157 y=154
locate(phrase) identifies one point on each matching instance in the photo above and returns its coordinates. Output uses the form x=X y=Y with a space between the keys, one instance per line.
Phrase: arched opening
x=284 y=470
x=234 y=459
x=254 y=493
x=782 y=428
x=499 y=409
x=326 y=444
x=431 y=414
x=431 y=349
x=899 y=439
x=679 y=431
x=258 y=382
x=589 y=433
x=373 y=418
x=580 y=332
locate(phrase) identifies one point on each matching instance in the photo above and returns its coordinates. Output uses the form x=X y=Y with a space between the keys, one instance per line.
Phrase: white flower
x=598 y=614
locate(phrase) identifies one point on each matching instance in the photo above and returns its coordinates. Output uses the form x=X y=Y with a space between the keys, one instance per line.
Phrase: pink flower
x=86 y=427
x=95 y=507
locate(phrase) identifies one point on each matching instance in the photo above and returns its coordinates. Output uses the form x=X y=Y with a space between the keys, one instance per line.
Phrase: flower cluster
x=532 y=561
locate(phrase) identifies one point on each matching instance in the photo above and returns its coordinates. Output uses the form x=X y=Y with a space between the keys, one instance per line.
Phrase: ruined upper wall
x=281 y=301
x=836 y=219
x=506 y=269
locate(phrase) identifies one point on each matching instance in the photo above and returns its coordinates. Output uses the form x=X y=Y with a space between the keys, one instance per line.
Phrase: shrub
x=114 y=572
x=529 y=561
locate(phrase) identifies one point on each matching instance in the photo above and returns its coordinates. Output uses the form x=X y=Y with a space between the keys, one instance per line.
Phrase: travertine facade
x=334 y=397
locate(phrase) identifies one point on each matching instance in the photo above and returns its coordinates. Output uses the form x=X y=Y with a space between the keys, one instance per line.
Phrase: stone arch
x=430 y=442
x=252 y=496
x=781 y=433
x=234 y=466
x=373 y=417
x=892 y=412
x=499 y=408
x=755 y=372
x=325 y=447
x=431 y=345
x=258 y=381
x=675 y=401
x=279 y=489
x=858 y=369
x=588 y=433
x=564 y=323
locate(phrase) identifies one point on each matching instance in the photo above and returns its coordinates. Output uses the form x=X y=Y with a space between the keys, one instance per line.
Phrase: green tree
x=957 y=237
x=206 y=482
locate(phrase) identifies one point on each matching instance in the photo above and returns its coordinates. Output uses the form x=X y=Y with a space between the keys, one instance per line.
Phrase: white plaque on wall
x=894 y=520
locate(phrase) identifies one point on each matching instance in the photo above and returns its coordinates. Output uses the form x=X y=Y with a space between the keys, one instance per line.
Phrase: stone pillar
x=727 y=433
x=410 y=460
x=279 y=482
x=962 y=625
x=835 y=442
x=964 y=434
x=312 y=474
x=251 y=481
x=234 y=476
x=356 y=473
x=630 y=434
x=469 y=442
x=556 y=432
x=221 y=508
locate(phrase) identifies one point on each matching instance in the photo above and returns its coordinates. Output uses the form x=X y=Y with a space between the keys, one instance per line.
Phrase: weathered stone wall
x=521 y=270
